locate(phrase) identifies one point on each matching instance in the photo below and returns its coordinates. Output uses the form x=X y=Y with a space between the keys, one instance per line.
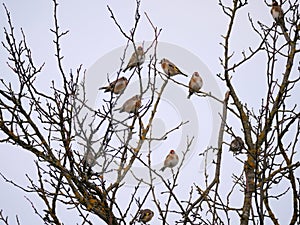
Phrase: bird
x=137 y=58
x=146 y=215
x=131 y=105
x=89 y=159
x=169 y=68
x=195 y=84
x=277 y=14
x=171 y=160
x=117 y=86
x=237 y=145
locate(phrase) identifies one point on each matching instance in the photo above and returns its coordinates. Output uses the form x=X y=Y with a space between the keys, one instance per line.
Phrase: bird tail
x=106 y=89
x=125 y=69
x=189 y=95
x=282 y=25
x=163 y=169
x=119 y=109
x=284 y=28
x=184 y=74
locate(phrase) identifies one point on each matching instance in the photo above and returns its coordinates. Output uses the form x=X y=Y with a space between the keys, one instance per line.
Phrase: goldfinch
x=169 y=68
x=117 y=86
x=237 y=145
x=146 y=215
x=195 y=84
x=137 y=59
x=278 y=15
x=171 y=160
x=132 y=105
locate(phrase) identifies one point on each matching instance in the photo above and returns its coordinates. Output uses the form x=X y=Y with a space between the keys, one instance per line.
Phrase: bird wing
x=113 y=84
x=174 y=68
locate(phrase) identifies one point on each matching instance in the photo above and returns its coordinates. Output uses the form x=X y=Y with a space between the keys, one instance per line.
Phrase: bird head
x=172 y=151
x=137 y=97
x=274 y=3
x=196 y=74
x=140 y=51
x=162 y=61
x=123 y=78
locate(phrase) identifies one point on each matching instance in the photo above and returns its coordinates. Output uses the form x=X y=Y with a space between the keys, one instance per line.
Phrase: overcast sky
x=191 y=25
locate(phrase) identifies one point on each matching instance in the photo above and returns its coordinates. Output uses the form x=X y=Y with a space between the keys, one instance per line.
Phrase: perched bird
x=132 y=105
x=88 y=161
x=117 y=86
x=277 y=14
x=137 y=59
x=169 y=68
x=146 y=215
x=171 y=160
x=237 y=145
x=195 y=84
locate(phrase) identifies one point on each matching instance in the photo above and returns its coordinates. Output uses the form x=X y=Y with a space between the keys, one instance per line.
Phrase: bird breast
x=141 y=59
x=275 y=14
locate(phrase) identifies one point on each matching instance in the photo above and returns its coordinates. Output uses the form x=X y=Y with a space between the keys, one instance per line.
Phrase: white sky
x=192 y=25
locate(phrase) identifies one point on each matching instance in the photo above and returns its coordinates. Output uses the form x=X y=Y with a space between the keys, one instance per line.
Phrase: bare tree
x=84 y=154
